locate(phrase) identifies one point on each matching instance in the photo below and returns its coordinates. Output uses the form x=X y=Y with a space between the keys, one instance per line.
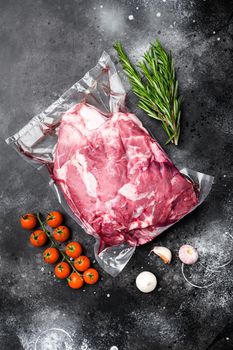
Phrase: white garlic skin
x=146 y=282
x=188 y=254
x=164 y=253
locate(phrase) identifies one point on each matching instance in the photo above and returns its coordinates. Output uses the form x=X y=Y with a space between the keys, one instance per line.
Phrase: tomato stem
x=53 y=243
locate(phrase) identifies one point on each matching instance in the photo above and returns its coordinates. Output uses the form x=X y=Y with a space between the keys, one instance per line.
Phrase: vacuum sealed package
x=108 y=172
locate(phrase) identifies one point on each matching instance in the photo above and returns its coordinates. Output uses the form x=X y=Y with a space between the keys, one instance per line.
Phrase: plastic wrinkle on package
x=108 y=172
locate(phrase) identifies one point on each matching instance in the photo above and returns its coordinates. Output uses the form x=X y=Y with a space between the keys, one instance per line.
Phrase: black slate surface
x=45 y=47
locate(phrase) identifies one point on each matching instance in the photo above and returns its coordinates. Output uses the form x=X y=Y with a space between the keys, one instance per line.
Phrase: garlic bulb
x=146 y=282
x=188 y=255
x=164 y=253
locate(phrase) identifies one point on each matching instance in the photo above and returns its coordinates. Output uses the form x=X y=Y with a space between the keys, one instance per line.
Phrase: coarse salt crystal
x=131 y=17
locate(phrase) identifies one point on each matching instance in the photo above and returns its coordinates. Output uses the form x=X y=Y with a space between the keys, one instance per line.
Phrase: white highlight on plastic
x=192 y=284
x=51 y=329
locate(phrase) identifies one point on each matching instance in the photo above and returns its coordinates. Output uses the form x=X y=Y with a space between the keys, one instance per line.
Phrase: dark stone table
x=45 y=47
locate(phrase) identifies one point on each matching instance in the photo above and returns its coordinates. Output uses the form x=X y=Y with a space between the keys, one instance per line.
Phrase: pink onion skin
x=188 y=255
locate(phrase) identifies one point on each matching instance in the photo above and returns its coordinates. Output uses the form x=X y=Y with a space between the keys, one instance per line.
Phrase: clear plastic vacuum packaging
x=107 y=170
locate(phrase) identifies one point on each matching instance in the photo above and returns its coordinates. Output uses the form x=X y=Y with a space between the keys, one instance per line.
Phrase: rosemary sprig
x=156 y=86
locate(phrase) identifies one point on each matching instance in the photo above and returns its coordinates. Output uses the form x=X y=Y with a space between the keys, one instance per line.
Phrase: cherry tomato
x=61 y=233
x=54 y=219
x=28 y=221
x=62 y=270
x=73 y=249
x=38 y=238
x=51 y=255
x=91 y=276
x=75 y=281
x=82 y=263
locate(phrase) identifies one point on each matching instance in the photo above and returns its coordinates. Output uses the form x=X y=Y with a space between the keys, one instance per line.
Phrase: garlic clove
x=164 y=253
x=188 y=255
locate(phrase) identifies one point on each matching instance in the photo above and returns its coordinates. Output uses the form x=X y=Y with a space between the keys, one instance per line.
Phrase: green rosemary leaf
x=156 y=86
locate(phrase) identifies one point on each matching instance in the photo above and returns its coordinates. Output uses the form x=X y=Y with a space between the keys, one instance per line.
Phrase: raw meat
x=116 y=178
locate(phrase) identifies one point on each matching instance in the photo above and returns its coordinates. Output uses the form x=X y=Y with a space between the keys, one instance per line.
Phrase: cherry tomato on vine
x=91 y=276
x=51 y=255
x=61 y=233
x=54 y=219
x=75 y=281
x=62 y=270
x=73 y=249
x=38 y=238
x=82 y=263
x=28 y=221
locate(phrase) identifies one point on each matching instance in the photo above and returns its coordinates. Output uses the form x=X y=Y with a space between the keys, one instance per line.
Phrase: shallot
x=188 y=255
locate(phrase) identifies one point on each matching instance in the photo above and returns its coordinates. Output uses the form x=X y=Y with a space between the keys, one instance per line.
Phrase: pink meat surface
x=116 y=178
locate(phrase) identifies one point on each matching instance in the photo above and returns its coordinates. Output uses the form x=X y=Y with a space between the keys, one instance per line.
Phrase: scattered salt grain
x=114 y=347
x=101 y=6
x=194 y=21
x=227 y=338
x=108 y=295
x=42 y=269
x=158 y=14
x=218 y=39
x=137 y=8
x=164 y=0
x=131 y=17
x=214 y=32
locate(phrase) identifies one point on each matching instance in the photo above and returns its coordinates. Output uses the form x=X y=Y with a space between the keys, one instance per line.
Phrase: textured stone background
x=47 y=45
